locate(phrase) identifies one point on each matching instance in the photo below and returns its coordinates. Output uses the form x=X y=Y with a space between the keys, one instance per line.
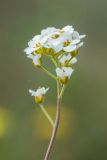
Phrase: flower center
x=37 y=45
x=55 y=36
x=66 y=43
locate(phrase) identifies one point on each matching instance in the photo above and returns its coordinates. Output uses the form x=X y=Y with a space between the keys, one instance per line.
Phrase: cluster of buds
x=62 y=46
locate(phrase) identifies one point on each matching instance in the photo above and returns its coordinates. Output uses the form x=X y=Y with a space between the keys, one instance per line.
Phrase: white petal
x=64 y=72
x=33 y=93
x=31 y=43
x=36 y=38
x=68 y=71
x=48 y=31
x=36 y=59
x=44 y=39
x=41 y=91
x=56 y=44
x=68 y=29
x=66 y=36
x=29 y=50
x=38 y=92
x=46 y=90
x=59 y=72
x=70 y=48
x=65 y=58
x=82 y=36
x=80 y=45
x=75 y=35
x=31 y=56
x=75 y=41
x=58 y=48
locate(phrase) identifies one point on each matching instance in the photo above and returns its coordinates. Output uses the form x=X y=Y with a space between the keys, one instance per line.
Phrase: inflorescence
x=62 y=46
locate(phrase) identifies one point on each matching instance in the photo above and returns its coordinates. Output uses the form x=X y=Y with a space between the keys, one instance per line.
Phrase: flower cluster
x=61 y=45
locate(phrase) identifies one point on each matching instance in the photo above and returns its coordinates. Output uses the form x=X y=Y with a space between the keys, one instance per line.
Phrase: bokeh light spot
x=5 y=121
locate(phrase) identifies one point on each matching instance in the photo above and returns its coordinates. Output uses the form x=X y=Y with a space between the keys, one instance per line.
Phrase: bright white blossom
x=33 y=45
x=68 y=29
x=39 y=94
x=36 y=59
x=39 y=91
x=62 y=45
x=48 y=32
x=64 y=72
x=74 y=44
x=64 y=58
x=64 y=40
x=67 y=59
x=56 y=44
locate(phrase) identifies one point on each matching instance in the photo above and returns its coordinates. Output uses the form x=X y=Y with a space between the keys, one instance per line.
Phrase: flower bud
x=74 y=53
x=39 y=99
x=64 y=80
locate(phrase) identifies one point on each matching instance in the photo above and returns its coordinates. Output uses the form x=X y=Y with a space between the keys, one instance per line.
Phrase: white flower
x=64 y=72
x=74 y=44
x=76 y=35
x=53 y=39
x=33 y=45
x=49 y=31
x=46 y=36
x=65 y=39
x=55 y=44
x=69 y=29
x=67 y=59
x=36 y=59
x=39 y=94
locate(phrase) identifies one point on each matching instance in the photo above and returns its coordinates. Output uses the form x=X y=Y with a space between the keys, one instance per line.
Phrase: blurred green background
x=24 y=131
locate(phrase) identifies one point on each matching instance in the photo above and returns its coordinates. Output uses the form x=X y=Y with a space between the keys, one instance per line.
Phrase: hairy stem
x=55 y=129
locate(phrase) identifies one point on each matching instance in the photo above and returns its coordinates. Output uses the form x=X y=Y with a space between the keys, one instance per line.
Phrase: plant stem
x=53 y=60
x=48 y=73
x=47 y=115
x=62 y=91
x=55 y=129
